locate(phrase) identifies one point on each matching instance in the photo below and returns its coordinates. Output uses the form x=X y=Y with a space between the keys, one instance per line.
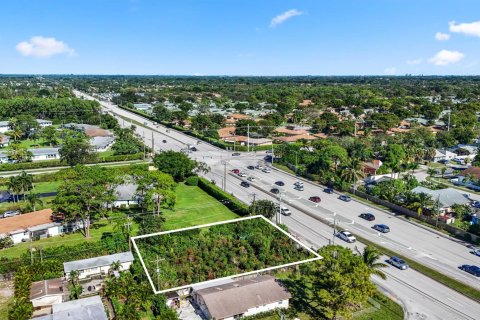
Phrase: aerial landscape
x=254 y=160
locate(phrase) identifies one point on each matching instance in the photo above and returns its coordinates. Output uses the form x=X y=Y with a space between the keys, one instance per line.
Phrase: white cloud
x=390 y=71
x=469 y=29
x=442 y=36
x=446 y=57
x=43 y=47
x=281 y=18
x=414 y=61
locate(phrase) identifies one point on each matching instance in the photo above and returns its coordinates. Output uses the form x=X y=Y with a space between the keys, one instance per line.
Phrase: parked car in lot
x=285 y=211
x=346 y=236
x=279 y=183
x=381 y=228
x=345 y=198
x=10 y=213
x=236 y=171
x=235 y=154
x=315 y=199
x=250 y=167
x=475 y=270
x=274 y=191
x=397 y=262
x=367 y=216
x=328 y=190
x=251 y=179
x=266 y=170
x=242 y=174
x=245 y=184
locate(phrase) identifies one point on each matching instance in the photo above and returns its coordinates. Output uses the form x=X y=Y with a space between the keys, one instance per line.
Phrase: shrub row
x=58 y=163
x=21 y=308
x=227 y=199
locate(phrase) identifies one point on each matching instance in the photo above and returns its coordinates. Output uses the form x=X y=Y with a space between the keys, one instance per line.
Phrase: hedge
x=58 y=163
x=192 y=181
x=227 y=199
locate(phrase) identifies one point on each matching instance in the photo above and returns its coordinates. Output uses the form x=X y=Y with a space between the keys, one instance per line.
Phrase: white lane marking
x=461 y=305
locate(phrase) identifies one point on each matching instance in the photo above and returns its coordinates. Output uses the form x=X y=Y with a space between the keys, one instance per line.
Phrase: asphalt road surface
x=422 y=297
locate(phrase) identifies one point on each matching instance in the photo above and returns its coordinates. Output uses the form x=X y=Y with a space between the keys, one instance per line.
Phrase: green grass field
x=193 y=207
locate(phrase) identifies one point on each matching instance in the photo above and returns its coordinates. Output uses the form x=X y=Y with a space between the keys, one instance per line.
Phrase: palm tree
x=353 y=173
x=33 y=199
x=423 y=201
x=25 y=181
x=116 y=266
x=12 y=186
x=431 y=172
x=370 y=256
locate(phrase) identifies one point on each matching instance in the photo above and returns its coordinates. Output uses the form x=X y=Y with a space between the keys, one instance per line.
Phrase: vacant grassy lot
x=193 y=207
x=6 y=296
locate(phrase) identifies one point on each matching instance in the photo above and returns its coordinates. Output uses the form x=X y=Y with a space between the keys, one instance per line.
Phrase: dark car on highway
x=236 y=154
x=475 y=270
x=164 y=141
x=275 y=191
x=382 y=228
x=315 y=199
x=328 y=190
x=245 y=184
x=367 y=216
x=251 y=167
x=280 y=183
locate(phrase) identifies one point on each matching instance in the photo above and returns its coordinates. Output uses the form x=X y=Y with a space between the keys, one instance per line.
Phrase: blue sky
x=240 y=37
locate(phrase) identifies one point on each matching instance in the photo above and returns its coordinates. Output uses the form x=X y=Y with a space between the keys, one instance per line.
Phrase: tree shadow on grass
x=300 y=300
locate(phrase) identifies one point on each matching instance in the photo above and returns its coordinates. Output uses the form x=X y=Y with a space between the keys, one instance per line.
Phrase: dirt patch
x=6 y=296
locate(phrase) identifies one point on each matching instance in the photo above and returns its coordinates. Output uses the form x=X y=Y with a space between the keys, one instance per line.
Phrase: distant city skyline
x=240 y=37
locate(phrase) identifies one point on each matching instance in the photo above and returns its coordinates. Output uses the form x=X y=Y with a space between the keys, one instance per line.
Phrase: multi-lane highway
x=422 y=297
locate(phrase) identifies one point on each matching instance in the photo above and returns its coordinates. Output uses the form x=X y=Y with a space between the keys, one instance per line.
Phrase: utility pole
x=334 y=228
x=158 y=272
x=153 y=144
x=273 y=155
x=355 y=130
x=224 y=182
x=41 y=255
x=254 y=204
x=449 y=114
x=127 y=225
x=279 y=211
x=248 y=137
x=144 y=147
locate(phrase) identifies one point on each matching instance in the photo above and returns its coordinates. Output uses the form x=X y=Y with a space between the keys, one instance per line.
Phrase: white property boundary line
x=317 y=256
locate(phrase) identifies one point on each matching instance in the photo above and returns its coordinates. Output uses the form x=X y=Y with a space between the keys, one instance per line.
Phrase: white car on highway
x=266 y=170
x=346 y=236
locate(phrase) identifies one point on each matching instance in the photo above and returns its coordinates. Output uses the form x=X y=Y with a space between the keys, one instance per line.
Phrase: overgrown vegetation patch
x=183 y=257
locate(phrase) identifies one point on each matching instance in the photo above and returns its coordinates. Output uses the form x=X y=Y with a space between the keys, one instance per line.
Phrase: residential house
x=446 y=197
x=40 y=154
x=4 y=126
x=443 y=154
x=33 y=225
x=305 y=103
x=145 y=107
x=126 y=195
x=4 y=141
x=101 y=144
x=296 y=138
x=291 y=132
x=247 y=297
x=98 y=266
x=468 y=178
x=82 y=309
x=46 y=293
x=44 y=123
x=370 y=168
x=243 y=141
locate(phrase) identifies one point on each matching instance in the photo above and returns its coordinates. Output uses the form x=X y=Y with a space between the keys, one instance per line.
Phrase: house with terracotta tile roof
x=296 y=138
x=290 y=132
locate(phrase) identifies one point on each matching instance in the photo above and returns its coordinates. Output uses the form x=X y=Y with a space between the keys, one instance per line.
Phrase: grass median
x=453 y=284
